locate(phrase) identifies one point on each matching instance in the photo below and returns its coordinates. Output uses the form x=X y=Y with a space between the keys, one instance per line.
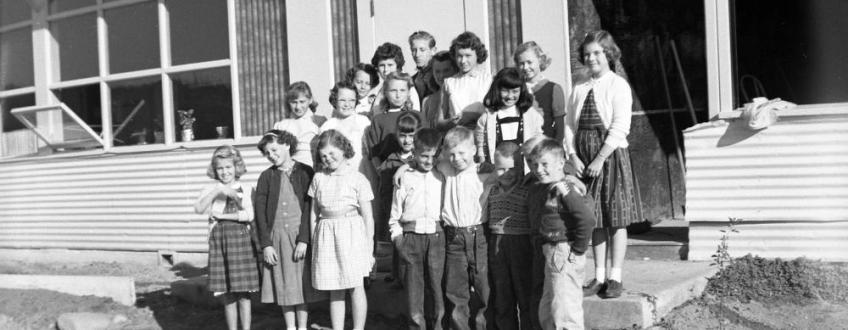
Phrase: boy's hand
x=578 y=165
x=561 y=187
x=576 y=184
x=299 y=252
x=270 y=255
x=227 y=191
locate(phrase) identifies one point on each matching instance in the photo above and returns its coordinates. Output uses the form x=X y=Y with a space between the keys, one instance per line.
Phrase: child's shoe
x=593 y=288
x=613 y=289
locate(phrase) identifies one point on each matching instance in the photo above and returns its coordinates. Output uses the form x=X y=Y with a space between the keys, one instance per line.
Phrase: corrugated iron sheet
x=131 y=202
x=789 y=182
x=504 y=31
x=345 y=36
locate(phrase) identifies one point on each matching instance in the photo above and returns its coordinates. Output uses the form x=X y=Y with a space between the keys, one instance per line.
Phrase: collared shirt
x=421 y=80
x=304 y=129
x=417 y=203
x=614 y=101
x=463 y=195
x=465 y=93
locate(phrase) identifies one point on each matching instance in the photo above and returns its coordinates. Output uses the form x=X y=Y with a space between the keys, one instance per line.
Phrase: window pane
x=16 y=68
x=137 y=111
x=77 y=39
x=208 y=93
x=10 y=123
x=799 y=57
x=133 y=37
x=13 y=11
x=85 y=102
x=198 y=30
x=58 y=6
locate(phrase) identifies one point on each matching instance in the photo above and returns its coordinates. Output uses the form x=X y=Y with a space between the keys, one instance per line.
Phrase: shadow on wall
x=737 y=131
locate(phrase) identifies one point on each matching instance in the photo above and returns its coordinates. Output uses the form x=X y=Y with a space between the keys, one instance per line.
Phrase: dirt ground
x=157 y=309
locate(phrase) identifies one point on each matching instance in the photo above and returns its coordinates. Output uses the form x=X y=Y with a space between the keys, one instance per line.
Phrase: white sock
x=600 y=274
x=301 y=328
x=291 y=328
x=615 y=274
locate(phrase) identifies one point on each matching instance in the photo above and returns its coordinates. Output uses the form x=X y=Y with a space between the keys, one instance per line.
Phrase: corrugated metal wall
x=262 y=63
x=345 y=36
x=504 y=32
x=791 y=179
x=130 y=202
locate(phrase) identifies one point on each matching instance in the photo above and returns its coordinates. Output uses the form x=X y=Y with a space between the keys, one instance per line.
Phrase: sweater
x=268 y=194
x=561 y=218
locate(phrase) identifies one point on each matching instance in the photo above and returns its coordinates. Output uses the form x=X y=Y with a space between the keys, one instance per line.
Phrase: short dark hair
x=408 y=122
x=388 y=51
x=294 y=91
x=445 y=56
x=226 y=152
x=547 y=146
x=422 y=35
x=337 y=139
x=427 y=138
x=508 y=149
x=508 y=78
x=334 y=92
x=280 y=137
x=470 y=40
x=369 y=69
x=606 y=41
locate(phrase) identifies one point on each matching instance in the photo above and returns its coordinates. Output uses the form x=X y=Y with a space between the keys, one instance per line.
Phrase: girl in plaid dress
x=233 y=271
x=342 y=228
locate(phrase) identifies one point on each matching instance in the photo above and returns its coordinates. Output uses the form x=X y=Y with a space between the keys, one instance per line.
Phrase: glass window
x=798 y=57
x=137 y=111
x=133 y=37
x=208 y=93
x=16 y=69
x=198 y=30
x=58 y=6
x=13 y=11
x=10 y=123
x=85 y=102
x=77 y=41
x=72 y=134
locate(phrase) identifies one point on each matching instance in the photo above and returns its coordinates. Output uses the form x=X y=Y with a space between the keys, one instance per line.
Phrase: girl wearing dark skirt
x=597 y=125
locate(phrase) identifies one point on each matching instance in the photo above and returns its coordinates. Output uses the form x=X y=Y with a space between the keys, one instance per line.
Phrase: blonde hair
x=544 y=60
x=458 y=135
x=226 y=152
x=401 y=76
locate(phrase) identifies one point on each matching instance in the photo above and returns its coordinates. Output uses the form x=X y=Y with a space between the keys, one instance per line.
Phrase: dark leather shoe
x=593 y=288
x=613 y=290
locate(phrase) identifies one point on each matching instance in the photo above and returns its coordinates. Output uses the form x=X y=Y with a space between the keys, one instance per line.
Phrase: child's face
x=331 y=157
x=529 y=64
x=466 y=59
x=461 y=156
x=386 y=66
x=225 y=170
x=300 y=106
x=442 y=70
x=346 y=102
x=397 y=92
x=505 y=170
x=406 y=141
x=549 y=168
x=277 y=153
x=421 y=52
x=426 y=158
x=595 y=59
x=509 y=96
x=362 y=81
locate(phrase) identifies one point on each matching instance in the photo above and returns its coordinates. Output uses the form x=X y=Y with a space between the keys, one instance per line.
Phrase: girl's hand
x=578 y=165
x=396 y=179
x=227 y=191
x=594 y=168
x=270 y=255
x=215 y=215
x=299 y=251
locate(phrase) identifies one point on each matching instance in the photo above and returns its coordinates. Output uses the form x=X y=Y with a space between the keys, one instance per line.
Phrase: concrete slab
x=89 y=321
x=120 y=288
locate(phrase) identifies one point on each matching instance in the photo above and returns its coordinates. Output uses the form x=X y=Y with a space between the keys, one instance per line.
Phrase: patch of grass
x=775 y=280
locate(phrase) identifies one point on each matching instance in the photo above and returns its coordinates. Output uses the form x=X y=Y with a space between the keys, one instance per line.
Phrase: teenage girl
x=233 y=271
x=547 y=95
x=509 y=115
x=301 y=120
x=365 y=78
x=342 y=229
x=597 y=125
x=282 y=219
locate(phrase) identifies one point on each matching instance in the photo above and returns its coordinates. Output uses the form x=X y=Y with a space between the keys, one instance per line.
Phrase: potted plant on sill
x=187 y=123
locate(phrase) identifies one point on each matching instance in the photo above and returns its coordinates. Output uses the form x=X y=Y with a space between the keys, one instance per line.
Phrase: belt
x=339 y=215
x=469 y=229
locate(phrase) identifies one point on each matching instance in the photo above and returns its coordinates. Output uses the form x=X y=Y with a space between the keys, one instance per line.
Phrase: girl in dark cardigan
x=282 y=220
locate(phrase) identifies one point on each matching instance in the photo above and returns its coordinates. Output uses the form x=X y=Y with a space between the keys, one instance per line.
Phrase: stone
x=88 y=321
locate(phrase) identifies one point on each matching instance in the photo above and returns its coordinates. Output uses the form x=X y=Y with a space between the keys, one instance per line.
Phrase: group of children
x=478 y=183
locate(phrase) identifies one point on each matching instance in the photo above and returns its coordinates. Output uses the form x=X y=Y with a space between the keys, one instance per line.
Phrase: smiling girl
x=342 y=229
x=233 y=271
x=463 y=93
x=509 y=115
x=301 y=120
x=547 y=95
x=346 y=121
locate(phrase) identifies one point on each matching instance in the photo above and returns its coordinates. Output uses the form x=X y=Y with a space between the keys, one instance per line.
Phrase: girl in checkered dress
x=233 y=271
x=342 y=228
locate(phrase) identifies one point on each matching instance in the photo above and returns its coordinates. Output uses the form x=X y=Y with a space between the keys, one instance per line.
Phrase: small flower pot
x=187 y=135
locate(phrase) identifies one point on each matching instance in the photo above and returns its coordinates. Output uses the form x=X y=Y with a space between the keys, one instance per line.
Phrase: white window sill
x=823 y=109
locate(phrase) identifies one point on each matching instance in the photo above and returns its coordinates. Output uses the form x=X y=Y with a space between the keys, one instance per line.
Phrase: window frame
x=45 y=65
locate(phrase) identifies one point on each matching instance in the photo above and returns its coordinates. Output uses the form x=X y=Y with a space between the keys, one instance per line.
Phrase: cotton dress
x=341 y=248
